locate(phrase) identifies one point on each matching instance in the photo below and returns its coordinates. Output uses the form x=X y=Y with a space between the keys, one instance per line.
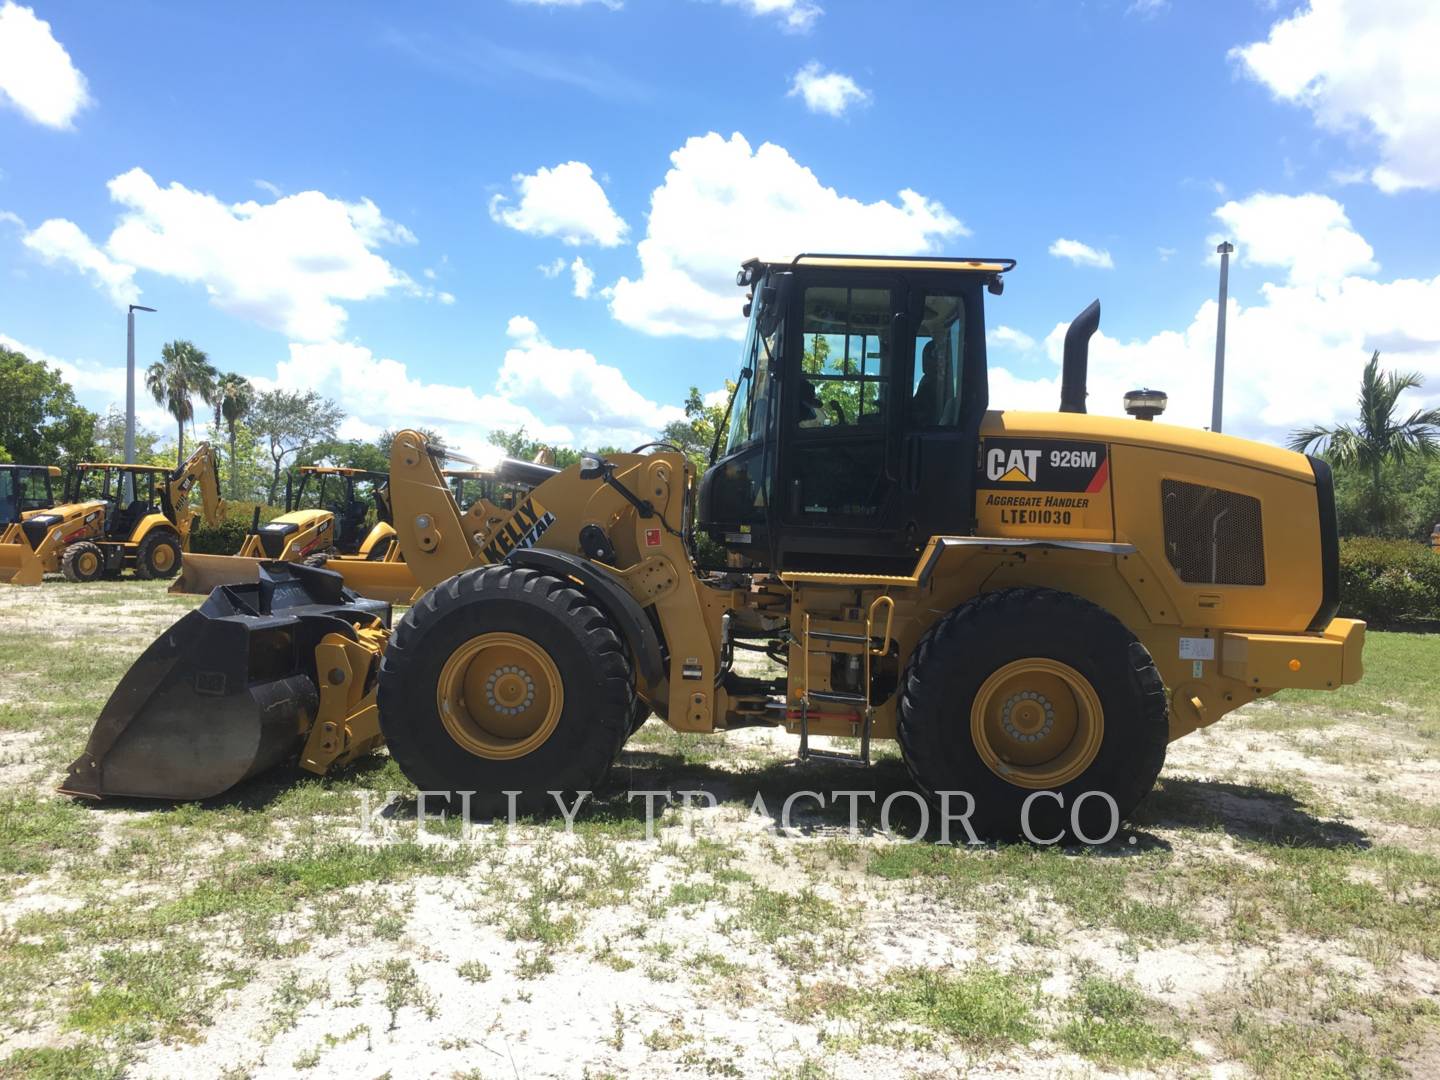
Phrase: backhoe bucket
x=19 y=566
x=227 y=692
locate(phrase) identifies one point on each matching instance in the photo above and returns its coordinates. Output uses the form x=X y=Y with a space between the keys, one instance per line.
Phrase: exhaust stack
x=1077 y=358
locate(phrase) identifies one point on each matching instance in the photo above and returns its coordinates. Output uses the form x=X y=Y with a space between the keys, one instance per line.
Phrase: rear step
x=871 y=646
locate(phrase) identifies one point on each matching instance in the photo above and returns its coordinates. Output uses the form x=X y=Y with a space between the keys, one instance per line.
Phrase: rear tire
x=505 y=679
x=638 y=715
x=83 y=562
x=158 y=555
x=1031 y=690
x=318 y=558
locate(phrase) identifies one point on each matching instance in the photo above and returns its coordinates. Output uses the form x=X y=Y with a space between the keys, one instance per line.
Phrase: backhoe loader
x=116 y=517
x=374 y=568
x=25 y=490
x=1033 y=604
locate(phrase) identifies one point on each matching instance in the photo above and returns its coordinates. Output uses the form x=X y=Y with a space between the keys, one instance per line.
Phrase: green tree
x=521 y=446
x=289 y=423
x=40 y=421
x=696 y=433
x=109 y=443
x=182 y=374
x=234 y=398
x=1378 y=436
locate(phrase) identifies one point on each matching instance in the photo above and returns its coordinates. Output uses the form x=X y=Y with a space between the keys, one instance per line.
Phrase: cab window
x=846 y=359
x=939 y=362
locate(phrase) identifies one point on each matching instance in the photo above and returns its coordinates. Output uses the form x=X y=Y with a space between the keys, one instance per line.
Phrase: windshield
x=753 y=389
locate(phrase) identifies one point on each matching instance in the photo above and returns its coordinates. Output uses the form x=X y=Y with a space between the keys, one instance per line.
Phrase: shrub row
x=226 y=538
x=1389 y=582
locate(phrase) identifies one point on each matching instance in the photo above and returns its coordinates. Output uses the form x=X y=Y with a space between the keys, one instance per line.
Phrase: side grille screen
x=1212 y=537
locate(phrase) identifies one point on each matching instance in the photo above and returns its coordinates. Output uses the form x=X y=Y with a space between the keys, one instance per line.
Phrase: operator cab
x=130 y=493
x=855 y=420
x=24 y=488
x=349 y=494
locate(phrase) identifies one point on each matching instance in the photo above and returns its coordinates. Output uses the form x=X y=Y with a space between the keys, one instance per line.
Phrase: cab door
x=945 y=399
x=838 y=497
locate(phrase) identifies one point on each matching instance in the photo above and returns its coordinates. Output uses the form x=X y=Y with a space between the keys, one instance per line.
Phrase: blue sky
x=413 y=168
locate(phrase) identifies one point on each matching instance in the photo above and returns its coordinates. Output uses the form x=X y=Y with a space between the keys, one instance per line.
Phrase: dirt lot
x=1275 y=914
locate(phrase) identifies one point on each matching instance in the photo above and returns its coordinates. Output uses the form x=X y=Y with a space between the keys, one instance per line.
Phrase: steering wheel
x=839 y=411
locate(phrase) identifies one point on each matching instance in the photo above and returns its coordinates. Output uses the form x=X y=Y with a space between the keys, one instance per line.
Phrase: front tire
x=1024 y=692
x=505 y=679
x=158 y=555
x=83 y=562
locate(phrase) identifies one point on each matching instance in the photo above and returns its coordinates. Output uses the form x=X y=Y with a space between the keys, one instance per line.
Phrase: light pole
x=130 y=392
x=1218 y=407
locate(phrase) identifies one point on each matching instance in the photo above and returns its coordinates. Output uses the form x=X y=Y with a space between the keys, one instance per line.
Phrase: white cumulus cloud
x=827 y=92
x=1082 y=254
x=562 y=396
x=795 y=16
x=1365 y=66
x=287 y=265
x=1009 y=337
x=582 y=278
x=61 y=241
x=1309 y=236
x=37 y=75
x=566 y=202
x=722 y=202
x=1293 y=358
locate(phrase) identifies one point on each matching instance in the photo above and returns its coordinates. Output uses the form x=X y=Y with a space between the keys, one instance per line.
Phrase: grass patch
x=34 y=832
x=1111 y=1025
x=980 y=1007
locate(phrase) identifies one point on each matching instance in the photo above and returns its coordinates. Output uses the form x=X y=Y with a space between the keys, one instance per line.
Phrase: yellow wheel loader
x=116 y=517
x=1033 y=604
x=25 y=490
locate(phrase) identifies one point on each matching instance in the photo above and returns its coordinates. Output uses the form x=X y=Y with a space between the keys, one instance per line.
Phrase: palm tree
x=183 y=372
x=1377 y=436
x=234 y=398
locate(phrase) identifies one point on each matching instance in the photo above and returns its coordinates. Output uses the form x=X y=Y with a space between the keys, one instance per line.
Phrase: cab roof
x=890 y=262
x=339 y=470
x=120 y=466
x=53 y=470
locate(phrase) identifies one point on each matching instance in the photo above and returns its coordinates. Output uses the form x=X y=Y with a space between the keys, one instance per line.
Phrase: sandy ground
x=427 y=974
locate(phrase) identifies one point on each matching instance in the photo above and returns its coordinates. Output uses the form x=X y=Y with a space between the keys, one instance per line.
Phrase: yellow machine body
x=148 y=535
x=1159 y=577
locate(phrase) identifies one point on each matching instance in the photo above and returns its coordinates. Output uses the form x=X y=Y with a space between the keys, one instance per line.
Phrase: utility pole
x=1217 y=409
x=130 y=394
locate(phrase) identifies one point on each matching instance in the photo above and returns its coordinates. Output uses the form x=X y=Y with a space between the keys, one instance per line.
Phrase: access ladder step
x=833 y=697
x=835 y=757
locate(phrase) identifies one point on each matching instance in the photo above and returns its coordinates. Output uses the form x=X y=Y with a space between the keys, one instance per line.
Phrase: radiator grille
x=1212 y=537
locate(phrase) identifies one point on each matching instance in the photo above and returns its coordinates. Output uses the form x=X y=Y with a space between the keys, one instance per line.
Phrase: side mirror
x=774 y=296
x=592 y=466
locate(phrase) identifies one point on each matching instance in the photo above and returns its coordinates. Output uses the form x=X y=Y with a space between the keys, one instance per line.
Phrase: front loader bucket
x=227 y=692
x=200 y=575
x=391 y=582
x=19 y=566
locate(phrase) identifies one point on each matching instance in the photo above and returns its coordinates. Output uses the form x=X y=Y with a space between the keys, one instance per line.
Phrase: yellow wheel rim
x=162 y=556
x=1037 y=723
x=89 y=563
x=500 y=696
